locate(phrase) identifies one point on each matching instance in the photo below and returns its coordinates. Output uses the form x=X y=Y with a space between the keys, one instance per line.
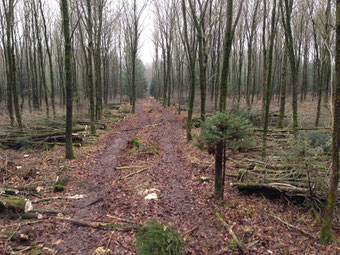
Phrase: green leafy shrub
x=253 y=118
x=319 y=140
x=226 y=126
x=24 y=143
x=196 y=122
x=158 y=239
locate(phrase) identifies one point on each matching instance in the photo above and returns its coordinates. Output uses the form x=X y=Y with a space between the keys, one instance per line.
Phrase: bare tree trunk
x=269 y=86
x=90 y=66
x=283 y=89
x=68 y=78
x=326 y=230
x=286 y=11
x=41 y=58
x=11 y=73
x=49 y=59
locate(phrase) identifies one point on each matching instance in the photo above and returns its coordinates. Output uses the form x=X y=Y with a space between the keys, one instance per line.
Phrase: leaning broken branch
x=101 y=225
x=231 y=232
x=135 y=173
x=292 y=226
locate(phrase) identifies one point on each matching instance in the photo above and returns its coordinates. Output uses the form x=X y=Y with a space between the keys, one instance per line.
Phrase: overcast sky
x=146 y=50
x=147 y=47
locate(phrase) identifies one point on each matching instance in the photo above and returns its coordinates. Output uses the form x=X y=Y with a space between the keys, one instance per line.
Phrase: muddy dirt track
x=179 y=201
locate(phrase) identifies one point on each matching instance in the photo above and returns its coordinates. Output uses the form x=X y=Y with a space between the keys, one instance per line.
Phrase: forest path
x=181 y=200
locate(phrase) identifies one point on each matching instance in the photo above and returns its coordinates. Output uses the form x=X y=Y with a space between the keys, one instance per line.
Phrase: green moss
x=196 y=122
x=232 y=244
x=58 y=187
x=135 y=144
x=13 y=202
x=158 y=239
x=35 y=251
x=62 y=181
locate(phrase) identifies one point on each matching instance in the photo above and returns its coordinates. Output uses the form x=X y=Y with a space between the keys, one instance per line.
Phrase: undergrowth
x=158 y=239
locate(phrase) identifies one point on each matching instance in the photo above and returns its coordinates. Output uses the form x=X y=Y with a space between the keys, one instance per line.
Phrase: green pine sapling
x=224 y=130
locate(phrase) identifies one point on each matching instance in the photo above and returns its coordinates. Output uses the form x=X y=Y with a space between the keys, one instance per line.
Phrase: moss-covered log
x=13 y=203
x=23 y=216
x=273 y=189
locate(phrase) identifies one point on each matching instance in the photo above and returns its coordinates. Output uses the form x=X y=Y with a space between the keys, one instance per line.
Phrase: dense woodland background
x=37 y=47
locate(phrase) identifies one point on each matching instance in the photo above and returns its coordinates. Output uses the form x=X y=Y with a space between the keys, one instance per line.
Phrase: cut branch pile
x=277 y=181
x=15 y=139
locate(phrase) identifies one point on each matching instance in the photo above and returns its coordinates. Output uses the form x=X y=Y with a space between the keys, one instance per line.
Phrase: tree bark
x=326 y=230
x=90 y=66
x=68 y=78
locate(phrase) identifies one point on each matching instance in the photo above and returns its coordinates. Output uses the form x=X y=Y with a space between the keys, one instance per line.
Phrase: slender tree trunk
x=41 y=60
x=68 y=78
x=283 y=89
x=49 y=54
x=326 y=230
x=269 y=88
x=90 y=66
x=228 y=40
x=98 y=59
x=286 y=11
x=11 y=78
x=191 y=56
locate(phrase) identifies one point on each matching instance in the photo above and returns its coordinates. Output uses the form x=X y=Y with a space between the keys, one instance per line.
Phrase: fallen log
x=100 y=225
x=23 y=216
x=47 y=199
x=272 y=189
x=17 y=204
x=25 y=190
x=231 y=232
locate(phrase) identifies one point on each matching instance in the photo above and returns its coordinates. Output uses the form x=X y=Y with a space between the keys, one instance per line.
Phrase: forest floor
x=168 y=168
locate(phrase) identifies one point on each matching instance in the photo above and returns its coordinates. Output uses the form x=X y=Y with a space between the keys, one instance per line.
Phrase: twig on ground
x=292 y=226
x=124 y=220
x=231 y=232
x=100 y=225
x=76 y=197
x=128 y=167
x=135 y=173
x=190 y=230
x=22 y=224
